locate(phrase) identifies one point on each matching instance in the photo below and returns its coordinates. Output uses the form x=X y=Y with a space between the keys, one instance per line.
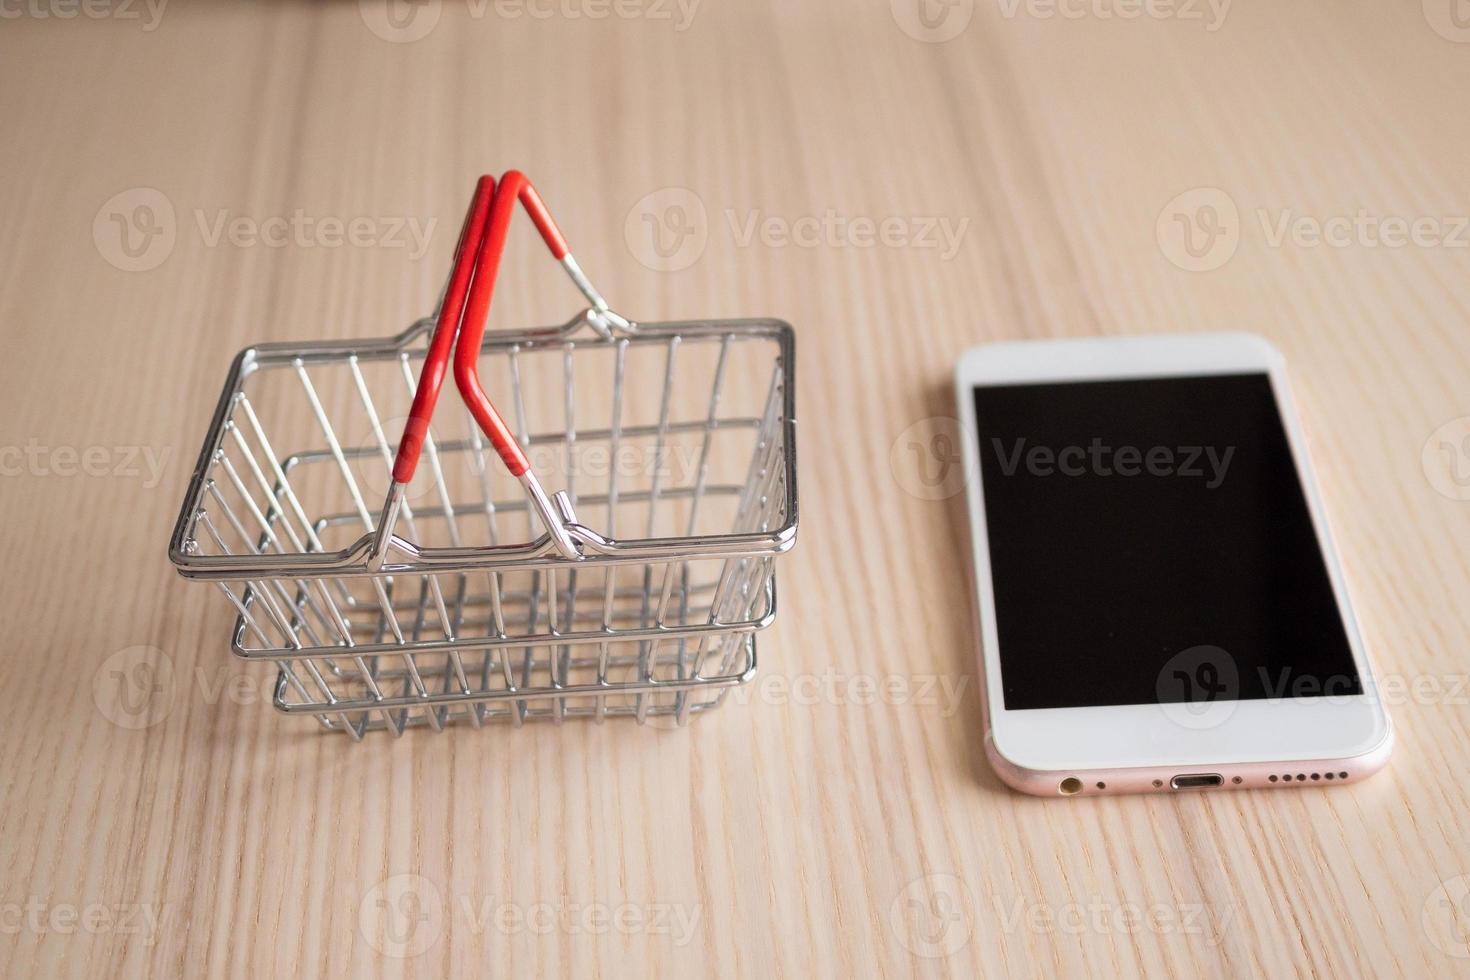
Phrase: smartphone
x=1160 y=606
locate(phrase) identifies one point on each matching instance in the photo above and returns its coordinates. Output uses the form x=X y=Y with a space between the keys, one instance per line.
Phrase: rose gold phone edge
x=1284 y=774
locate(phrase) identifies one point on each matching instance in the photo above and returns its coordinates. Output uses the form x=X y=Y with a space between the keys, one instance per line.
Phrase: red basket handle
x=431 y=379
x=463 y=311
x=513 y=185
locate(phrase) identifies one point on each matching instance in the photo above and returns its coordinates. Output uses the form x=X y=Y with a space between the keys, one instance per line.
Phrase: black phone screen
x=1150 y=542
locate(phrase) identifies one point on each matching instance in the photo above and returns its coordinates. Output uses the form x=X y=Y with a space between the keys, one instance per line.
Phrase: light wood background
x=797 y=834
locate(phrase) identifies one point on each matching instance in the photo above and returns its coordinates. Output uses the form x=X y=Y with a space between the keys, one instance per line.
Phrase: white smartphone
x=1160 y=604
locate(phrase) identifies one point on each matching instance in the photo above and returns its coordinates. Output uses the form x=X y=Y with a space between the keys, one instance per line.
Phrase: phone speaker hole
x=1302 y=777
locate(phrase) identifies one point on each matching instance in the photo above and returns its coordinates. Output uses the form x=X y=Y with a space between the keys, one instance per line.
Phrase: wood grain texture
x=808 y=829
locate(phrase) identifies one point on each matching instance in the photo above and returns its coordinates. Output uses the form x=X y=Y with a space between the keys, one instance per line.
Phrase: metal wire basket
x=470 y=596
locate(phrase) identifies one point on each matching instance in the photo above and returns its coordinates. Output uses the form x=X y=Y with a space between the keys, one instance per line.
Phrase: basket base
x=663 y=704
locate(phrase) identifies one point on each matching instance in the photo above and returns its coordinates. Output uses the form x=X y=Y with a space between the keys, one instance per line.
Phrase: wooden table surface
x=182 y=178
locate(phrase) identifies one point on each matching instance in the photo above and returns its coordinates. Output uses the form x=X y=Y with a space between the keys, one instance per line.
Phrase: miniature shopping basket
x=468 y=595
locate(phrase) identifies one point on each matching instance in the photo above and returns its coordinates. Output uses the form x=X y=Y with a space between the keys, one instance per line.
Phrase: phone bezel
x=1079 y=740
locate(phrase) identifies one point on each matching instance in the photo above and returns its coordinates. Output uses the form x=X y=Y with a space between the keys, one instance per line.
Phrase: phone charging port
x=1197 y=780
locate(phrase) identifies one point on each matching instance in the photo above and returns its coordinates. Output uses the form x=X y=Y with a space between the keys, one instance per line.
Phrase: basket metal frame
x=356 y=559
x=383 y=554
